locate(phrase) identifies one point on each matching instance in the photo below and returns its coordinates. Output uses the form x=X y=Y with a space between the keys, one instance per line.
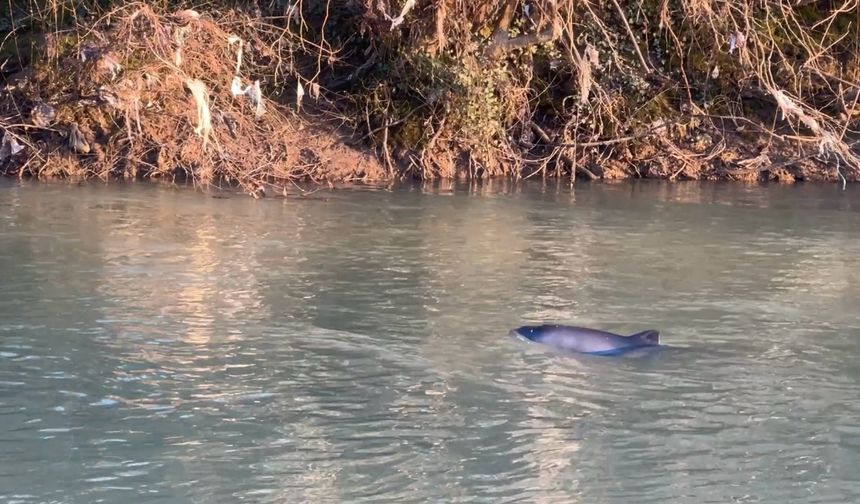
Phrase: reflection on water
x=160 y=345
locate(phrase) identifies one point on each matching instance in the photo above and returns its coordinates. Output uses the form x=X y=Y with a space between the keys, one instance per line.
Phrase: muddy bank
x=335 y=91
x=166 y=95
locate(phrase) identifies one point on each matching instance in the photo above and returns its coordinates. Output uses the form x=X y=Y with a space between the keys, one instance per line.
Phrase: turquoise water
x=159 y=345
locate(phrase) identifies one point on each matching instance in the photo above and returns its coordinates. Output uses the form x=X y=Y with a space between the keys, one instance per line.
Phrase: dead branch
x=576 y=166
x=502 y=43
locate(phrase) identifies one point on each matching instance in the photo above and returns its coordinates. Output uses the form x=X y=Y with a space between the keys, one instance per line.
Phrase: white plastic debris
x=736 y=41
x=204 y=118
x=105 y=60
x=179 y=40
x=9 y=146
x=589 y=61
x=77 y=142
x=300 y=93
x=256 y=96
x=187 y=15
x=107 y=95
x=42 y=115
x=787 y=106
x=292 y=12
x=109 y=63
x=236 y=88
x=14 y=146
x=88 y=52
x=397 y=21
x=252 y=92
x=236 y=40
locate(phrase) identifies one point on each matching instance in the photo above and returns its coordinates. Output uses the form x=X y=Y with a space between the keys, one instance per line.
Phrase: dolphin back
x=649 y=337
x=585 y=340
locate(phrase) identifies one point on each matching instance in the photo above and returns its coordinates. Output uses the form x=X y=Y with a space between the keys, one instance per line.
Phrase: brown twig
x=502 y=43
x=574 y=165
x=633 y=39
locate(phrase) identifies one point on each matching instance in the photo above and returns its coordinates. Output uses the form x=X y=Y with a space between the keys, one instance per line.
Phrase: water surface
x=160 y=345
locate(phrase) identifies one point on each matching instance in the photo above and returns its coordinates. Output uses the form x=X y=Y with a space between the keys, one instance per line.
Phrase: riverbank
x=349 y=91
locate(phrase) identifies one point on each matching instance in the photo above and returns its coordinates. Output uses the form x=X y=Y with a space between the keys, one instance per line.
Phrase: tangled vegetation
x=271 y=91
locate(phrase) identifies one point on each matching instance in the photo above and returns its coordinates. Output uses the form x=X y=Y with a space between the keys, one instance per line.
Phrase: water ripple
x=181 y=348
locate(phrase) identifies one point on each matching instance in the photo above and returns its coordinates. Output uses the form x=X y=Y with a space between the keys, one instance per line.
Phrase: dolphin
x=585 y=340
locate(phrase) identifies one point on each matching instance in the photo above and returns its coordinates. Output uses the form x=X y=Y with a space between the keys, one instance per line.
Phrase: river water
x=161 y=345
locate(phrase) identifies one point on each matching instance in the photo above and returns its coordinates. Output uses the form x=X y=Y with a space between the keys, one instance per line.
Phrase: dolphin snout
x=515 y=333
x=524 y=332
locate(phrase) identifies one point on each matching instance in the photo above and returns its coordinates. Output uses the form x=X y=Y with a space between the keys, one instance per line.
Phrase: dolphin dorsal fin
x=650 y=336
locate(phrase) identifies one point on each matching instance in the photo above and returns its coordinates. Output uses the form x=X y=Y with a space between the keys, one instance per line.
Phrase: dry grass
x=548 y=89
x=140 y=91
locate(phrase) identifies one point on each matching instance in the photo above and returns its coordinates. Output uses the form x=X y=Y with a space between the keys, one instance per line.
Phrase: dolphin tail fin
x=651 y=337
